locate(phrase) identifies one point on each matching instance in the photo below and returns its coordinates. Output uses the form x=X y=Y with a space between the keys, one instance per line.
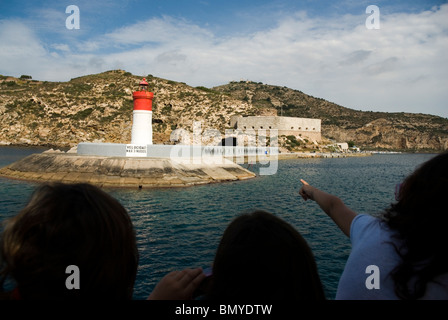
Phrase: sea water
x=181 y=227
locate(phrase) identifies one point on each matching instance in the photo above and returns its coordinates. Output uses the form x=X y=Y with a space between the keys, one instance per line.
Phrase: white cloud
x=401 y=67
x=159 y=30
x=61 y=47
x=355 y=57
x=18 y=41
x=20 y=50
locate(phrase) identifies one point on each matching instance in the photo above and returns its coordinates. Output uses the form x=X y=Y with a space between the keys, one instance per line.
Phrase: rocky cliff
x=99 y=108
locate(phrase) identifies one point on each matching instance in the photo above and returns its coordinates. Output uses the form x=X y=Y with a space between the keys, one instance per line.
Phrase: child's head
x=262 y=256
x=70 y=224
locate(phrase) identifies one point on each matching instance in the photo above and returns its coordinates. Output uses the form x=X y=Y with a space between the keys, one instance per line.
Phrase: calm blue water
x=180 y=228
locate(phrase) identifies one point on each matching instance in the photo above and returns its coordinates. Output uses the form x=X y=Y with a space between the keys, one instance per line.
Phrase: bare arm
x=331 y=205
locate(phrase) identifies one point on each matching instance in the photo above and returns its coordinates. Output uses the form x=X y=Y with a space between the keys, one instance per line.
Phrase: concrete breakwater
x=106 y=171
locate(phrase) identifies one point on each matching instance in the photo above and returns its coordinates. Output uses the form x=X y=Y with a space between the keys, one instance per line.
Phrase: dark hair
x=420 y=218
x=70 y=224
x=261 y=256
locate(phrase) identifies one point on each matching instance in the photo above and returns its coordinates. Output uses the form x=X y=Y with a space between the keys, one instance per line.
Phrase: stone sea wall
x=123 y=171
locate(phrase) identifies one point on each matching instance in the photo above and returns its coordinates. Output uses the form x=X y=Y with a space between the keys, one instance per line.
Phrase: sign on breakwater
x=133 y=150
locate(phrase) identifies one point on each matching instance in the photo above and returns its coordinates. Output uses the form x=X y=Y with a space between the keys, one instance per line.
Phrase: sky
x=391 y=57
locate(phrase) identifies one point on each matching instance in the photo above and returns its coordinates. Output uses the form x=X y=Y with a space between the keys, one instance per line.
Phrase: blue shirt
x=367 y=272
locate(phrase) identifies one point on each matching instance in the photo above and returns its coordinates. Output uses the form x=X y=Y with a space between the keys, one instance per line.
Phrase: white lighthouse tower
x=142 y=115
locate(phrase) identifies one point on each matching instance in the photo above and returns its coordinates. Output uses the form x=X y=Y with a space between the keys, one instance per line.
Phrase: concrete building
x=306 y=128
x=343 y=146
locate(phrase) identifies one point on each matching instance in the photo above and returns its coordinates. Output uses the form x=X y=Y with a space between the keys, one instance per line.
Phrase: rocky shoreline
x=307 y=155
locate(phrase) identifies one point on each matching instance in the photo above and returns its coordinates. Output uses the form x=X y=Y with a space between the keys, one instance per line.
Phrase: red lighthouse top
x=143 y=98
x=143 y=82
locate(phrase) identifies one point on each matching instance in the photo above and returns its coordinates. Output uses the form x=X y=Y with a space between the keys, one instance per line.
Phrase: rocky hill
x=369 y=130
x=99 y=108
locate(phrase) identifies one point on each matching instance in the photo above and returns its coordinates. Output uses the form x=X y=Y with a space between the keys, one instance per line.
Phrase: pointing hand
x=306 y=191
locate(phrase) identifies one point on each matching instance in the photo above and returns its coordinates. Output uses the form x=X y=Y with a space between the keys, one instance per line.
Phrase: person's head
x=70 y=224
x=261 y=256
x=420 y=216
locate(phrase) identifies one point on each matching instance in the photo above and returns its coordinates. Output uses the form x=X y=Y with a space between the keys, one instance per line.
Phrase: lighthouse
x=142 y=115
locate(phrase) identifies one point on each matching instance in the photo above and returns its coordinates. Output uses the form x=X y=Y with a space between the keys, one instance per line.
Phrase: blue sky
x=322 y=48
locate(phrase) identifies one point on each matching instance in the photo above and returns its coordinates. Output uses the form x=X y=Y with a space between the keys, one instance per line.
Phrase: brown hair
x=70 y=224
x=261 y=256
